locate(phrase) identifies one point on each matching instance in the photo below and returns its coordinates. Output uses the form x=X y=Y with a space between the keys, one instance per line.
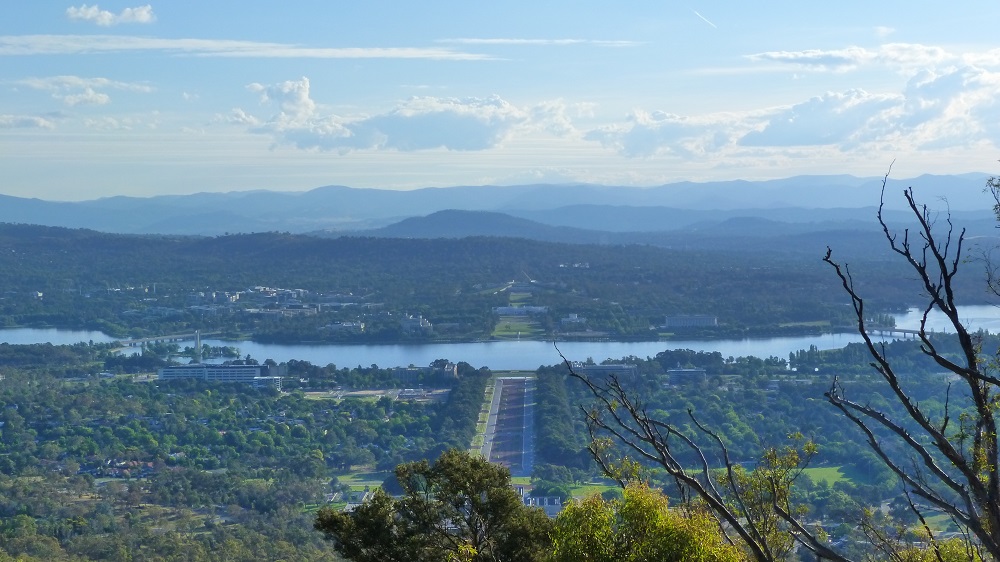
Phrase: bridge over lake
x=165 y=339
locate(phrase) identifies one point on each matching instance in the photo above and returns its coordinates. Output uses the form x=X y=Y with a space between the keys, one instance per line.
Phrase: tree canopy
x=461 y=507
x=638 y=527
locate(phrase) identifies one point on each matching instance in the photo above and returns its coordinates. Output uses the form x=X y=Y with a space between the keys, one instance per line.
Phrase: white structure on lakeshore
x=259 y=376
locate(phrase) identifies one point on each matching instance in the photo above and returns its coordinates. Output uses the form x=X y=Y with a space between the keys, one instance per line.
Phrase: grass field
x=358 y=480
x=829 y=474
x=941 y=522
x=589 y=489
x=511 y=327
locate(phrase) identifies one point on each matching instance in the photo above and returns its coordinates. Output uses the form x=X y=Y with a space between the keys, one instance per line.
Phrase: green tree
x=755 y=505
x=461 y=507
x=638 y=527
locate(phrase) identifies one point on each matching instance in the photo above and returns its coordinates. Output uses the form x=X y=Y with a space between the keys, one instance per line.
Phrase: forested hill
x=438 y=274
x=854 y=232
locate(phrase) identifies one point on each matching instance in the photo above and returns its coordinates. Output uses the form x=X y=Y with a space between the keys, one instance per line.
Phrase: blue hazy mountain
x=802 y=199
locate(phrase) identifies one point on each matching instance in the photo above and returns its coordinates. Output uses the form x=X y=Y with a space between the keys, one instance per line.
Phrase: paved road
x=528 y=454
x=513 y=397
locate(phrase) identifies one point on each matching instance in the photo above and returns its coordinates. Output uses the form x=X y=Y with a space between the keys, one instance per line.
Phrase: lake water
x=985 y=317
x=526 y=355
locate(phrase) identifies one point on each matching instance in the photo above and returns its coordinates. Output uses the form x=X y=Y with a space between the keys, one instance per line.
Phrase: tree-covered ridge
x=155 y=285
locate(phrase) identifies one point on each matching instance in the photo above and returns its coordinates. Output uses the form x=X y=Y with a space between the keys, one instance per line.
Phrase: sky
x=186 y=96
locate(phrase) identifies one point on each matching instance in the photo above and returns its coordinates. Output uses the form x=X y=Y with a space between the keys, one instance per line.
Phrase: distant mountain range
x=592 y=213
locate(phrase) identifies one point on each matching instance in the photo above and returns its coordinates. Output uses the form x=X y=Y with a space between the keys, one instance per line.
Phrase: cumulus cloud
x=834 y=118
x=420 y=123
x=98 y=44
x=76 y=90
x=948 y=101
x=238 y=117
x=25 y=122
x=104 y=18
x=556 y=116
x=291 y=95
x=956 y=108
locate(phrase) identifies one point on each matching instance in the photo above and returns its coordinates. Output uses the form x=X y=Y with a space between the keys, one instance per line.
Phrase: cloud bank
x=948 y=101
x=420 y=123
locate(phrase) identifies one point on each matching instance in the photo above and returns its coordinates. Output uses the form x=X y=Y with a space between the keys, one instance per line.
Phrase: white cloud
x=906 y=57
x=836 y=59
x=238 y=117
x=76 y=90
x=292 y=95
x=538 y=42
x=831 y=119
x=420 y=123
x=104 y=18
x=556 y=116
x=78 y=82
x=990 y=58
x=87 y=97
x=914 y=57
x=955 y=109
x=98 y=44
x=952 y=109
x=25 y=122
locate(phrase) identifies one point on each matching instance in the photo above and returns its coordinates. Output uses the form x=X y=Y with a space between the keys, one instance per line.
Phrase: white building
x=259 y=376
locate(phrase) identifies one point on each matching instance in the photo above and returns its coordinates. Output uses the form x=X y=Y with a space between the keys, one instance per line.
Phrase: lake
x=523 y=355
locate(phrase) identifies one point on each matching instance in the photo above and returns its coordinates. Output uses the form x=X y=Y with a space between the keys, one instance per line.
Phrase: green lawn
x=509 y=327
x=940 y=522
x=358 y=480
x=829 y=474
x=589 y=489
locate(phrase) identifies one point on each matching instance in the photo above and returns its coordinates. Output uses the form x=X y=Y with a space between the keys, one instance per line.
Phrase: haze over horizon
x=183 y=97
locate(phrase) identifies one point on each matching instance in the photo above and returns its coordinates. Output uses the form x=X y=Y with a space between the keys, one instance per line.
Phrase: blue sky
x=119 y=98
